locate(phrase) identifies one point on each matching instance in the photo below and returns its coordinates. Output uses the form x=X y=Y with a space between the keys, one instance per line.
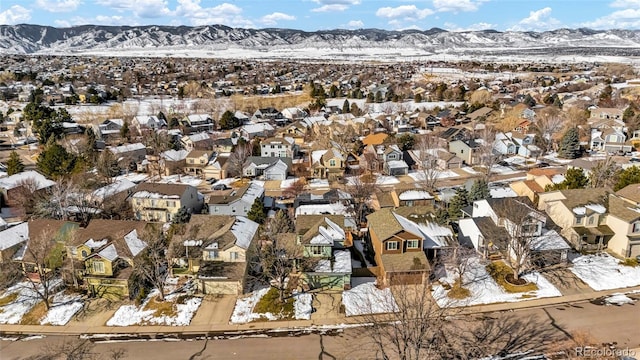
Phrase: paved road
x=607 y=324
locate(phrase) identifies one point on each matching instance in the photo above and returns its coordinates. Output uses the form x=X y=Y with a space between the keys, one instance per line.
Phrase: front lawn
x=499 y=271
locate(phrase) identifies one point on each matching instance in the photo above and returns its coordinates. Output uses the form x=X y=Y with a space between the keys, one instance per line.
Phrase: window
x=84 y=253
x=392 y=245
x=233 y=255
x=578 y=219
x=591 y=219
x=216 y=209
x=636 y=227
x=213 y=254
x=529 y=228
x=332 y=162
x=98 y=267
x=316 y=250
x=413 y=244
x=461 y=151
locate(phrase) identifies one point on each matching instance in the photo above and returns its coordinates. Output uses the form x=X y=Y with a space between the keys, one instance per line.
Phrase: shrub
x=458 y=292
x=499 y=270
x=270 y=303
x=633 y=262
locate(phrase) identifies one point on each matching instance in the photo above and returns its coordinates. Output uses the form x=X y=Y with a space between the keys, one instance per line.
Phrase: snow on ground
x=386 y=180
x=284 y=184
x=618 y=299
x=318 y=183
x=181 y=179
x=366 y=298
x=302 y=306
x=503 y=170
x=484 y=290
x=243 y=311
x=128 y=315
x=419 y=176
x=604 y=272
x=554 y=157
x=502 y=192
x=64 y=306
x=470 y=170
x=13 y=312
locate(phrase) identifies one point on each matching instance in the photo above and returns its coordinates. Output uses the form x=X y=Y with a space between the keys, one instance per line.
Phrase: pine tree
x=346 y=107
x=124 y=130
x=55 y=161
x=628 y=176
x=570 y=144
x=574 y=178
x=479 y=190
x=458 y=202
x=256 y=213
x=14 y=164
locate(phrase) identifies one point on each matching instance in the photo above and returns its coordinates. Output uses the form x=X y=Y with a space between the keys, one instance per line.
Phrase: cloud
x=457 y=5
x=473 y=27
x=538 y=20
x=15 y=15
x=625 y=4
x=406 y=12
x=622 y=19
x=98 y=20
x=58 y=5
x=141 y=8
x=62 y=23
x=225 y=13
x=355 y=24
x=272 y=19
x=334 y=5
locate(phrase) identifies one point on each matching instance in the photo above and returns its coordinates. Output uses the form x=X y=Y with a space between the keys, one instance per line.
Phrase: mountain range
x=36 y=39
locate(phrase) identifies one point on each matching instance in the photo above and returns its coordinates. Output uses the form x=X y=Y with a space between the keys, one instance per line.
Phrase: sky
x=312 y=15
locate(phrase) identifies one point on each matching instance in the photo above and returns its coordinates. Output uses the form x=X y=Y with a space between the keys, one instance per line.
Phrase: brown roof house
x=161 y=202
x=624 y=219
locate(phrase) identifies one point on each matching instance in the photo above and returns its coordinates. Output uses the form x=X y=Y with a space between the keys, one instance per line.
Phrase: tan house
x=161 y=202
x=196 y=161
x=582 y=215
x=398 y=246
x=535 y=183
x=327 y=164
x=624 y=219
x=215 y=249
x=103 y=255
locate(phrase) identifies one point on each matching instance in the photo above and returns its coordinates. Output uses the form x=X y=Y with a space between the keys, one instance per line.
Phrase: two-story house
x=197 y=141
x=467 y=150
x=325 y=238
x=144 y=123
x=161 y=202
x=103 y=253
x=128 y=154
x=393 y=161
x=109 y=129
x=235 y=201
x=278 y=147
x=609 y=140
x=250 y=131
x=196 y=161
x=581 y=213
x=327 y=164
x=624 y=219
x=216 y=248
x=195 y=123
x=398 y=245
x=515 y=143
x=267 y=168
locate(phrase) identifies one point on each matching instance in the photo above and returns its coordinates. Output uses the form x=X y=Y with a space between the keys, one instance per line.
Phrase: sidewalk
x=210 y=321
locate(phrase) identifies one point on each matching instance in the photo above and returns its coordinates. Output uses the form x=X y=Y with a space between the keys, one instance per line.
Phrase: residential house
x=467 y=150
x=497 y=226
x=278 y=147
x=224 y=145
x=13 y=239
x=581 y=214
x=399 y=245
x=235 y=201
x=129 y=154
x=103 y=256
x=197 y=141
x=113 y=193
x=607 y=113
x=411 y=197
x=327 y=164
x=624 y=219
x=455 y=133
x=267 y=168
x=196 y=161
x=253 y=130
x=443 y=159
x=109 y=129
x=144 y=123
x=609 y=140
x=536 y=181
x=325 y=238
x=514 y=143
x=161 y=202
x=195 y=123
x=294 y=114
x=216 y=251
x=393 y=162
x=12 y=188
x=268 y=114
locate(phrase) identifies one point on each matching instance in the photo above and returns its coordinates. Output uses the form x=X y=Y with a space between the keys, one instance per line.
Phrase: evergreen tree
x=479 y=190
x=406 y=142
x=182 y=216
x=346 y=108
x=628 y=176
x=569 y=147
x=378 y=97
x=574 y=178
x=55 y=161
x=228 y=121
x=417 y=98
x=370 y=97
x=256 y=213
x=124 y=130
x=14 y=164
x=458 y=202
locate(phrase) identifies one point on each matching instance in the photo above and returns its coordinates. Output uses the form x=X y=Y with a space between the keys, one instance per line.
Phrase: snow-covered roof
x=329 y=234
x=198 y=117
x=110 y=253
x=341 y=263
x=257 y=128
x=29 y=176
x=114 y=188
x=319 y=209
x=135 y=244
x=198 y=137
x=434 y=235
x=244 y=230
x=14 y=235
x=126 y=148
x=153 y=195
x=415 y=195
x=175 y=155
x=582 y=210
x=96 y=244
x=396 y=164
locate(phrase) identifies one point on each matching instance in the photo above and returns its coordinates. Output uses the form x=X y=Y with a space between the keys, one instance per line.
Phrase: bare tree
x=425 y=154
x=150 y=266
x=487 y=156
x=295 y=189
x=604 y=173
x=547 y=128
x=107 y=167
x=237 y=159
x=157 y=142
x=458 y=259
x=361 y=188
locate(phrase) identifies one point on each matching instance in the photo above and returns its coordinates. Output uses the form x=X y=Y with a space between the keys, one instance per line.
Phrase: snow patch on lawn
x=618 y=299
x=604 y=272
x=366 y=298
x=128 y=315
x=485 y=290
x=243 y=311
x=302 y=306
x=64 y=306
x=13 y=312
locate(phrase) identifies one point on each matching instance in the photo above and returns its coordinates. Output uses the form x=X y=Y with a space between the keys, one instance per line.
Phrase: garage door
x=635 y=250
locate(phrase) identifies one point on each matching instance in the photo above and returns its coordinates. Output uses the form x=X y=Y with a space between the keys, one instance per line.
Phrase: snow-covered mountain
x=36 y=39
